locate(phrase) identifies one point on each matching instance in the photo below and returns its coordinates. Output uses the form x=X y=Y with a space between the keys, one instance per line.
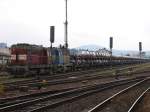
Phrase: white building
x=4 y=56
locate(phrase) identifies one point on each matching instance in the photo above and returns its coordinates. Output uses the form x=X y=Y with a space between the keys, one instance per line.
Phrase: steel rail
x=28 y=95
x=69 y=80
x=100 y=105
x=36 y=82
x=18 y=99
x=86 y=89
x=54 y=78
x=76 y=97
x=60 y=76
x=138 y=100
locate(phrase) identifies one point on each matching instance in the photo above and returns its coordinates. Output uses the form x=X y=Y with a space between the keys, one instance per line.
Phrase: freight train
x=35 y=59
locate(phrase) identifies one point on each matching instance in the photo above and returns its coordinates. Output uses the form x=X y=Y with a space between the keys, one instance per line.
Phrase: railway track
x=52 y=80
x=59 y=79
x=57 y=84
x=18 y=99
x=52 y=77
x=51 y=101
x=60 y=76
x=123 y=101
x=66 y=81
x=142 y=102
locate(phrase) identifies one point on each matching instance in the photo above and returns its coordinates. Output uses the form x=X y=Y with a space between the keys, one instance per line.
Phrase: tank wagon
x=34 y=59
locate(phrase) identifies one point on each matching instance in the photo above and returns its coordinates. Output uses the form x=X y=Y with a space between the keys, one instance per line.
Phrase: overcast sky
x=90 y=22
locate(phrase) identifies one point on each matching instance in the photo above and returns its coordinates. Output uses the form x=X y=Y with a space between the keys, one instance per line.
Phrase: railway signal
x=140 y=48
x=52 y=37
x=52 y=34
x=111 y=44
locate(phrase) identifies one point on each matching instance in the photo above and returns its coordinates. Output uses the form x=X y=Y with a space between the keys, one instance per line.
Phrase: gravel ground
x=62 y=86
x=85 y=103
x=66 y=85
x=123 y=102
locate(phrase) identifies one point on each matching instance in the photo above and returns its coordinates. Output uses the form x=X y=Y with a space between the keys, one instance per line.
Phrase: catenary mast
x=66 y=27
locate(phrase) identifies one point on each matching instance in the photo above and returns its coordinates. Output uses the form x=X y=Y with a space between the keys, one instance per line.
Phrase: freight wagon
x=88 y=59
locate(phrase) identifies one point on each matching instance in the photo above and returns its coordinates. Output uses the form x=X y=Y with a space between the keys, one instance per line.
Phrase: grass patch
x=1 y=89
x=12 y=79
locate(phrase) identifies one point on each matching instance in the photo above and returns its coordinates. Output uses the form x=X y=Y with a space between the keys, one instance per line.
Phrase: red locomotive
x=31 y=59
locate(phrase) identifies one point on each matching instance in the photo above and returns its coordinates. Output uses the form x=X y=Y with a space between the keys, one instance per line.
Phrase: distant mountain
x=131 y=53
x=124 y=52
x=147 y=54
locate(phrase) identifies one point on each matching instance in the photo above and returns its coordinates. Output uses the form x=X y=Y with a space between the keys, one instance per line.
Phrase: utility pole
x=66 y=27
